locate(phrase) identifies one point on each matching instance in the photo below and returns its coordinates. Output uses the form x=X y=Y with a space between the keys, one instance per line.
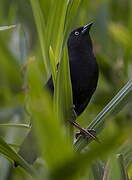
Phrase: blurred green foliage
x=29 y=53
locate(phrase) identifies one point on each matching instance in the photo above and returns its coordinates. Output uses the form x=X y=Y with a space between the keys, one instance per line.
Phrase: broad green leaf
x=50 y=133
x=63 y=92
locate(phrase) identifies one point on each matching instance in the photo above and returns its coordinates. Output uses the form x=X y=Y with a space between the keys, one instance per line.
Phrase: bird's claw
x=81 y=133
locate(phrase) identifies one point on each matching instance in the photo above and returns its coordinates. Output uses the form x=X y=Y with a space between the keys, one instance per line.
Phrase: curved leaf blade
x=109 y=108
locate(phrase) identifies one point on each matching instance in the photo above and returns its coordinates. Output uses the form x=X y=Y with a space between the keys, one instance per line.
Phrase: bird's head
x=80 y=36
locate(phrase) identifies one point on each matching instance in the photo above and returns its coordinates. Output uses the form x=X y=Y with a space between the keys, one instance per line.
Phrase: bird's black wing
x=83 y=95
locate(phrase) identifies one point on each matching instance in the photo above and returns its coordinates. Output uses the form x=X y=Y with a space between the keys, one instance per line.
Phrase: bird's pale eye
x=76 y=33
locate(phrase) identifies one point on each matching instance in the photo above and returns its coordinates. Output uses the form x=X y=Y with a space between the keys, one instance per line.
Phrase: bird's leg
x=91 y=131
x=85 y=132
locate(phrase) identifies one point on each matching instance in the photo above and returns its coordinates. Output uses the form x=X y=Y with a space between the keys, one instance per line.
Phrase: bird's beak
x=86 y=28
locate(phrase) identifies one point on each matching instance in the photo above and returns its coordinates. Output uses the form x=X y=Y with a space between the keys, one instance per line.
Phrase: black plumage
x=83 y=68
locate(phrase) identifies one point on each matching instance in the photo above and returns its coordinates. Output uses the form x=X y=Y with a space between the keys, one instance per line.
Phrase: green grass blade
x=40 y=23
x=61 y=23
x=55 y=27
x=3 y=28
x=116 y=168
x=114 y=172
x=70 y=16
x=53 y=143
x=53 y=64
x=63 y=90
x=7 y=151
x=98 y=170
x=126 y=150
x=97 y=123
x=120 y=159
x=58 y=27
x=72 y=10
x=46 y=7
x=127 y=89
x=25 y=126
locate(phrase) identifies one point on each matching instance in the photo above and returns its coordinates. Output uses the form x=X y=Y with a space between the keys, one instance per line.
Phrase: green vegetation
x=33 y=37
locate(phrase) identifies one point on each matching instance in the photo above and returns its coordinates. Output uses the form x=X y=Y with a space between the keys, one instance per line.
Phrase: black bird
x=83 y=69
x=84 y=77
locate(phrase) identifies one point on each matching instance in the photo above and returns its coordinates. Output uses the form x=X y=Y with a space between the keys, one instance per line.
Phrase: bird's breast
x=82 y=72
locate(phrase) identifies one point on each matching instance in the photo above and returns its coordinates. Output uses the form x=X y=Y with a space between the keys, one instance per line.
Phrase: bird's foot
x=89 y=131
x=85 y=132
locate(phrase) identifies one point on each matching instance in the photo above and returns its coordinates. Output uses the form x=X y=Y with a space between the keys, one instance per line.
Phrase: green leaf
x=3 y=28
x=53 y=64
x=98 y=122
x=116 y=169
x=126 y=150
x=55 y=27
x=53 y=142
x=7 y=151
x=25 y=126
x=120 y=159
x=40 y=23
x=72 y=11
x=98 y=169
x=63 y=91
